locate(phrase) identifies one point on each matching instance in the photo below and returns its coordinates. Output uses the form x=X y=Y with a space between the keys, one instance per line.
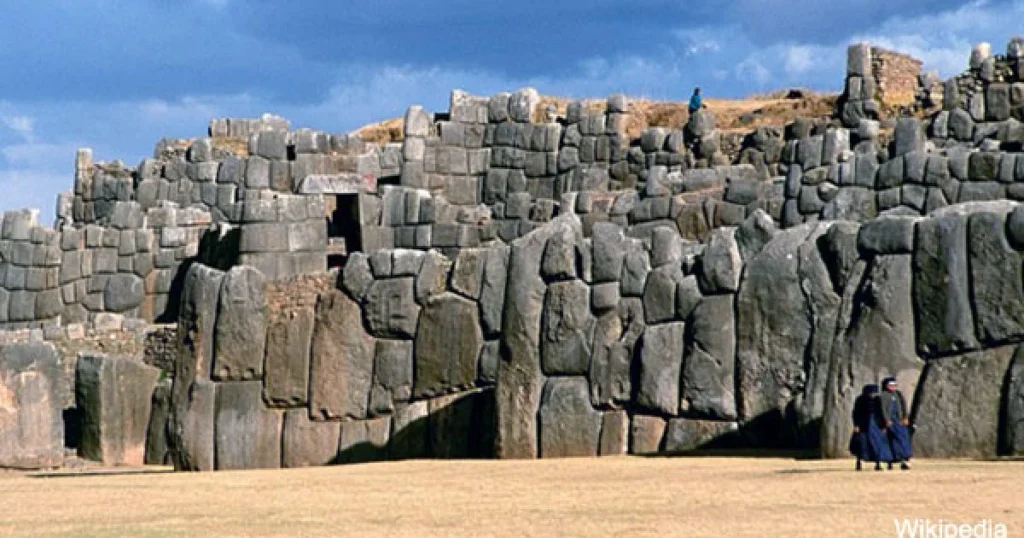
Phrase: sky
x=117 y=76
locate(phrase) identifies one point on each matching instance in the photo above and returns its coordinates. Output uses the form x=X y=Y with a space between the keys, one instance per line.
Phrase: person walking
x=869 y=442
x=897 y=422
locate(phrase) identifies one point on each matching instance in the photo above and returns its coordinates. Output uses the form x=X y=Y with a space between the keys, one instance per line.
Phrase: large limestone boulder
x=997 y=279
x=942 y=286
x=567 y=329
x=569 y=426
x=196 y=324
x=520 y=380
x=448 y=344
x=342 y=360
x=661 y=359
x=191 y=428
x=308 y=443
x=248 y=435
x=779 y=350
x=391 y=309
x=958 y=404
x=876 y=341
x=708 y=385
x=31 y=424
x=115 y=396
x=241 y=330
x=289 y=333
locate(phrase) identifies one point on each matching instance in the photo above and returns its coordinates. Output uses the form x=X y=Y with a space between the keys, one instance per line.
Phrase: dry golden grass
x=732 y=497
x=732 y=115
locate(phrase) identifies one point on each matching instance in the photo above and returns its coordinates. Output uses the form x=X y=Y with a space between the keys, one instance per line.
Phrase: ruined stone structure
x=506 y=283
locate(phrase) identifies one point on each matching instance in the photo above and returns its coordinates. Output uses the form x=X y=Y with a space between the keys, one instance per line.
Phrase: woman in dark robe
x=869 y=442
x=897 y=422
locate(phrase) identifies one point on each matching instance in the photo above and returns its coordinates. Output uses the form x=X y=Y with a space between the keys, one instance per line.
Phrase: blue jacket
x=696 y=102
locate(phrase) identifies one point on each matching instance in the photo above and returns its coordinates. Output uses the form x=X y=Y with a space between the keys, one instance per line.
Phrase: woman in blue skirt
x=869 y=442
x=897 y=422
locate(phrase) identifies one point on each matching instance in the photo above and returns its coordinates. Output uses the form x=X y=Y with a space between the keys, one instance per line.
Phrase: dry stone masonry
x=512 y=282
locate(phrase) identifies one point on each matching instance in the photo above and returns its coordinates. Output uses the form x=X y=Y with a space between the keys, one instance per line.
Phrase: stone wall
x=395 y=357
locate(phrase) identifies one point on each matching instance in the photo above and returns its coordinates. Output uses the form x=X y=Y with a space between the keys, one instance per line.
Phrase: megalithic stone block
x=519 y=372
x=308 y=443
x=241 y=329
x=31 y=425
x=248 y=435
x=115 y=396
x=342 y=360
x=191 y=427
x=288 y=357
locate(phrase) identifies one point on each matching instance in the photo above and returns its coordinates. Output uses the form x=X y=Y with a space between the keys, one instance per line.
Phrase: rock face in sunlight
x=521 y=277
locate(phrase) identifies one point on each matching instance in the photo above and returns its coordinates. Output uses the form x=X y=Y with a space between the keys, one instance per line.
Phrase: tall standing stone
x=518 y=391
x=997 y=279
x=941 y=286
x=115 y=396
x=31 y=425
x=289 y=333
x=876 y=342
x=708 y=386
x=342 y=360
x=241 y=329
x=661 y=360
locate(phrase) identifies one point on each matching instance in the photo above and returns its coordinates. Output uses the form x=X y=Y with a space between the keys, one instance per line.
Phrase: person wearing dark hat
x=869 y=442
x=897 y=422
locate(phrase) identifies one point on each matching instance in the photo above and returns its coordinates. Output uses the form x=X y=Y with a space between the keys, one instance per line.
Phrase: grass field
x=624 y=496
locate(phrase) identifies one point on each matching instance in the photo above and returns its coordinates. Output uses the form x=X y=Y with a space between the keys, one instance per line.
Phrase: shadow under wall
x=463 y=429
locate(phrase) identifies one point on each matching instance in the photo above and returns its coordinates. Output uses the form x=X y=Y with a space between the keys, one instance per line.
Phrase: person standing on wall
x=897 y=422
x=869 y=442
x=696 y=102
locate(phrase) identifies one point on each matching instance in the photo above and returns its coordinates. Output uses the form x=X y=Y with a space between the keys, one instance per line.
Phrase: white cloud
x=799 y=59
x=24 y=126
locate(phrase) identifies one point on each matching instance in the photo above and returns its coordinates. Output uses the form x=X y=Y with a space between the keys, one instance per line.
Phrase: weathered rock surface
x=240 y=333
x=708 y=386
x=31 y=425
x=287 y=357
x=519 y=373
x=569 y=426
x=248 y=435
x=391 y=310
x=942 y=303
x=115 y=397
x=567 y=329
x=959 y=402
x=191 y=428
x=877 y=342
x=308 y=443
x=661 y=359
x=1013 y=433
x=342 y=360
x=997 y=279
x=772 y=342
x=448 y=345
x=646 y=434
